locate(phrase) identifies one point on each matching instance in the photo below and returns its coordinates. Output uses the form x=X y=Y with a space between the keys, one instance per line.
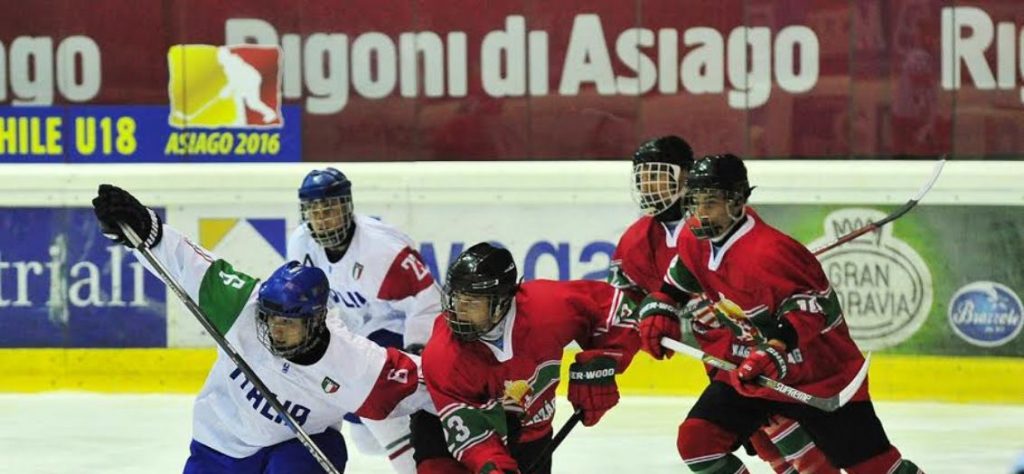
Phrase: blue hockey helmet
x=293 y=295
x=325 y=198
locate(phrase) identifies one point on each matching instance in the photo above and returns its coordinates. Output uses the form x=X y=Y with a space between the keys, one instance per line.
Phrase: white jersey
x=379 y=283
x=230 y=415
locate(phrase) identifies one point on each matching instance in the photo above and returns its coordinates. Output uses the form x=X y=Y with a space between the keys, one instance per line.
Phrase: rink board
x=892 y=377
x=934 y=295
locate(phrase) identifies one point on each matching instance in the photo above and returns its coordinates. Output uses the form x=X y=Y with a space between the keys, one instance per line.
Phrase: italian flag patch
x=329 y=385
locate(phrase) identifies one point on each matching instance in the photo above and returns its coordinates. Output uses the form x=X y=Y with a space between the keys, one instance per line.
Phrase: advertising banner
x=62 y=284
x=277 y=80
x=937 y=281
x=942 y=280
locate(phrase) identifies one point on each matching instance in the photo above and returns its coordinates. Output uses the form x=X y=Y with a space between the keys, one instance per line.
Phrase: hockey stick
x=180 y=115
x=829 y=404
x=896 y=214
x=228 y=349
x=549 y=449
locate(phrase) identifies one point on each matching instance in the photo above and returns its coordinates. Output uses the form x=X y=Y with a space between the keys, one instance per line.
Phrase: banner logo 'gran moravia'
x=986 y=314
x=883 y=284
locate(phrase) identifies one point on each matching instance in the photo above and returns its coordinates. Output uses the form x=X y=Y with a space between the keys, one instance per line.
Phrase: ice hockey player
x=643 y=255
x=379 y=284
x=774 y=314
x=492 y=364
x=316 y=367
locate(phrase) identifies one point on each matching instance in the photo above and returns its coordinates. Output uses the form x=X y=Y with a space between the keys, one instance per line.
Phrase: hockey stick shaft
x=195 y=113
x=549 y=449
x=896 y=214
x=196 y=311
x=826 y=404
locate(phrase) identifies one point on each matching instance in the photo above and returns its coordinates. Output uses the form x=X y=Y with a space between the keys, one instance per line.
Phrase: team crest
x=357 y=270
x=518 y=395
x=329 y=385
x=738 y=320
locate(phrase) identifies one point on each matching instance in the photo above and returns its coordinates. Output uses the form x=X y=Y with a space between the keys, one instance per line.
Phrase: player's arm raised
x=220 y=290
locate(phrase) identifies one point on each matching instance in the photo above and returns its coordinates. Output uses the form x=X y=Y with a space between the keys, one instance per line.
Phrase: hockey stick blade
x=204 y=320
x=896 y=214
x=549 y=449
x=829 y=404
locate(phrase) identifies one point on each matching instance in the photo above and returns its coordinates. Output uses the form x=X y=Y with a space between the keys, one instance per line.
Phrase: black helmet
x=481 y=271
x=659 y=167
x=720 y=174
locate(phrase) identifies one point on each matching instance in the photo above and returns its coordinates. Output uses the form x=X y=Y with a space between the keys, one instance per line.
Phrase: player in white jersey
x=379 y=285
x=318 y=369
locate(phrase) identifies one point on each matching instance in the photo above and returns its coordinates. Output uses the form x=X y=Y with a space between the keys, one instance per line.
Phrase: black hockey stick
x=896 y=214
x=829 y=404
x=228 y=349
x=549 y=449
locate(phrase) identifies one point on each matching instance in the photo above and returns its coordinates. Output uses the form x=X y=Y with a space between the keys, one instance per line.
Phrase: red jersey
x=767 y=275
x=644 y=252
x=474 y=383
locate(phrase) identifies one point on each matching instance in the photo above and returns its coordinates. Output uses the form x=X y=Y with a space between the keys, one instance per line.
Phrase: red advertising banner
x=518 y=79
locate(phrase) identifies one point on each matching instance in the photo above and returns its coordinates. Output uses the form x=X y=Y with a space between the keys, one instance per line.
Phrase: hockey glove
x=658 y=319
x=767 y=360
x=592 y=384
x=114 y=205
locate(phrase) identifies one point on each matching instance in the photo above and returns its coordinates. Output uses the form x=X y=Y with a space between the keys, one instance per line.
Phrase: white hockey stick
x=228 y=349
x=181 y=115
x=896 y=214
x=827 y=404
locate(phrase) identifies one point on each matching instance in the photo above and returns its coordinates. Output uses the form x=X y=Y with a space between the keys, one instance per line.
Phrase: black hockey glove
x=114 y=205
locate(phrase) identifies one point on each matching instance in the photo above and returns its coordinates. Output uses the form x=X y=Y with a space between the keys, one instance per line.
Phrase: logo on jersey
x=225 y=86
x=522 y=395
x=329 y=385
x=738 y=319
x=883 y=284
x=357 y=271
x=518 y=395
x=986 y=314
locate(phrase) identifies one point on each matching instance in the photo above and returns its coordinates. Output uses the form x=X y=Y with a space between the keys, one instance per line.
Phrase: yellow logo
x=518 y=394
x=224 y=86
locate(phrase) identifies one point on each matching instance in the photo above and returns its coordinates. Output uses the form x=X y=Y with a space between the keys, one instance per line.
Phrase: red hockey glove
x=592 y=384
x=765 y=359
x=658 y=319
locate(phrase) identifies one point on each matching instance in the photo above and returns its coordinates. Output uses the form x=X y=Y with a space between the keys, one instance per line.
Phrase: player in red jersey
x=646 y=249
x=492 y=363
x=774 y=314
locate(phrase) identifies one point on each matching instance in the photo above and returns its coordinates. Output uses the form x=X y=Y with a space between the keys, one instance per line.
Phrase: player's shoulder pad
x=386 y=238
x=636 y=233
x=549 y=294
x=443 y=356
x=778 y=252
x=300 y=235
